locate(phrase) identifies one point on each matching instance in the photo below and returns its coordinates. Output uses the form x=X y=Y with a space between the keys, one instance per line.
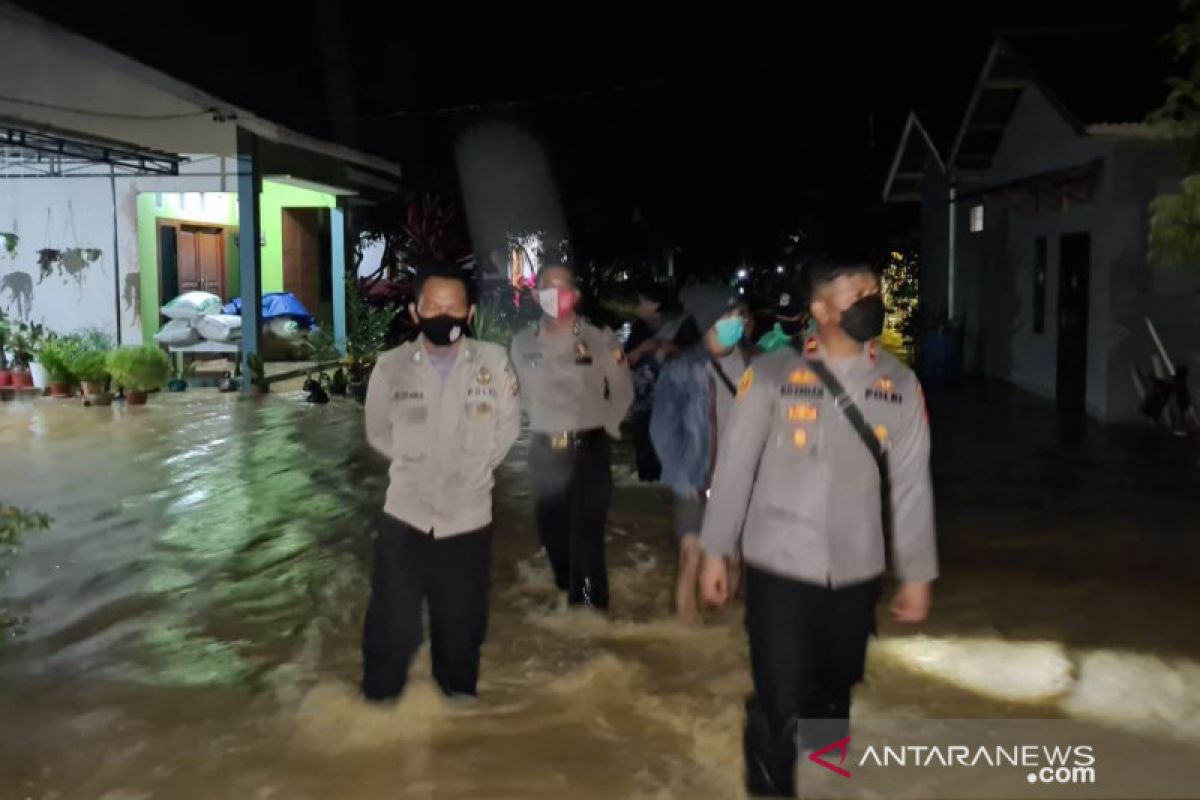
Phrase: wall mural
x=19 y=285
x=133 y=294
x=20 y=292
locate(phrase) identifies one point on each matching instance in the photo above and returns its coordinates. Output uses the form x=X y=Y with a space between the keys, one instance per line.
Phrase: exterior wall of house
x=86 y=278
x=996 y=266
x=216 y=208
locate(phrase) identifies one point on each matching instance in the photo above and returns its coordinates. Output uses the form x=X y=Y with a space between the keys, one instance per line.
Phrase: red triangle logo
x=842 y=745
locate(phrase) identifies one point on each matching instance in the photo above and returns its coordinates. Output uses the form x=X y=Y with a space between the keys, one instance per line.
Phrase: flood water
x=189 y=627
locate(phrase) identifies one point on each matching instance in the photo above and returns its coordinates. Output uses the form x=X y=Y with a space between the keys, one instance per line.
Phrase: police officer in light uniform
x=802 y=478
x=576 y=387
x=444 y=410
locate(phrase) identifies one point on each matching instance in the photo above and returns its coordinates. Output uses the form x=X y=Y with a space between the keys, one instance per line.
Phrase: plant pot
x=135 y=398
x=22 y=379
x=100 y=399
x=38 y=373
x=60 y=390
x=6 y=378
x=91 y=389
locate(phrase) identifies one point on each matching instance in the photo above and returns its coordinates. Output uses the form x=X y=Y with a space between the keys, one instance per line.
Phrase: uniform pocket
x=479 y=420
x=410 y=431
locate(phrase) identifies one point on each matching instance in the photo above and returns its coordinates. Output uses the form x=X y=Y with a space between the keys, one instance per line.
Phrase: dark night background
x=725 y=128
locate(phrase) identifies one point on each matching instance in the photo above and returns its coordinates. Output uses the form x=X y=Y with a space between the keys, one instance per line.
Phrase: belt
x=569 y=439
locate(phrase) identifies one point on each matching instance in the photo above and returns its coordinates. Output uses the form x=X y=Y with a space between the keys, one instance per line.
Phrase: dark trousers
x=808 y=646
x=452 y=575
x=572 y=487
x=649 y=468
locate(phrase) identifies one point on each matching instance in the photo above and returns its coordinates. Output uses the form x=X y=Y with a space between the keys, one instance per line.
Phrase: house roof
x=914 y=154
x=1110 y=78
x=186 y=101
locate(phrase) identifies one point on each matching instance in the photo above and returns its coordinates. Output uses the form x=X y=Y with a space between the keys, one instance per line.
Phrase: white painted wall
x=78 y=212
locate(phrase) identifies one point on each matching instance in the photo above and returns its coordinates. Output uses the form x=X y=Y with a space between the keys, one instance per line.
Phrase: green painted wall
x=275 y=198
x=216 y=208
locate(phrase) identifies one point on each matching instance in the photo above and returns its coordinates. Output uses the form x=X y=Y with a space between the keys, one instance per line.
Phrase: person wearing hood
x=443 y=410
x=692 y=400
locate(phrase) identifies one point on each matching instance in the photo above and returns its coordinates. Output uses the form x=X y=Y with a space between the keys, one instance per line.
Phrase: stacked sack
x=194 y=316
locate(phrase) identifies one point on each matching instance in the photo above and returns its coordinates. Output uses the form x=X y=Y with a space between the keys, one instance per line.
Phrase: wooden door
x=199 y=256
x=302 y=255
x=188 y=266
x=210 y=262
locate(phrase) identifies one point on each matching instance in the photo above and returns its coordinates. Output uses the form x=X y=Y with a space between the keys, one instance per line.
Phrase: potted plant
x=56 y=357
x=22 y=356
x=139 y=370
x=34 y=336
x=90 y=366
x=5 y=331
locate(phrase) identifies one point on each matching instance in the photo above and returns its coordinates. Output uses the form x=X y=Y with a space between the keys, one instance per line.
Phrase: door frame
x=1066 y=405
x=165 y=222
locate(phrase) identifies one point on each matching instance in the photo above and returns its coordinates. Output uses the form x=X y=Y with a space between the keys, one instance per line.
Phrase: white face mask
x=557 y=303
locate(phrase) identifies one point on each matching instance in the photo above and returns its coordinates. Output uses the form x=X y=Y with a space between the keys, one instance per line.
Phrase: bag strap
x=858 y=422
x=724 y=376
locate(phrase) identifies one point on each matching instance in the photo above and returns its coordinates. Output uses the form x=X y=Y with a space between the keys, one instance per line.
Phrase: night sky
x=725 y=129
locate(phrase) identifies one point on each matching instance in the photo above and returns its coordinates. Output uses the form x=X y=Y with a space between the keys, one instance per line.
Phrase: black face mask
x=791 y=327
x=442 y=330
x=863 y=321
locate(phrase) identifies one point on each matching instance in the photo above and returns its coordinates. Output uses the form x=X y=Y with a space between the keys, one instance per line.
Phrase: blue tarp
x=277 y=304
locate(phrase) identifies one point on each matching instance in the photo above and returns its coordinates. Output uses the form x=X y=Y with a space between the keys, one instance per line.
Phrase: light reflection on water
x=189 y=628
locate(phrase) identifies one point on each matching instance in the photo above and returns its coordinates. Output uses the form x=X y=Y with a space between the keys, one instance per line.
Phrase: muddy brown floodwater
x=189 y=627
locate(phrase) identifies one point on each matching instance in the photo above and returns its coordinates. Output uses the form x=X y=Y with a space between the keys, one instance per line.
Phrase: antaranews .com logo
x=1059 y=764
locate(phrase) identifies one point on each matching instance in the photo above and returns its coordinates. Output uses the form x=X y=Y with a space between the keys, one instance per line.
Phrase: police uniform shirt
x=573 y=380
x=795 y=472
x=443 y=437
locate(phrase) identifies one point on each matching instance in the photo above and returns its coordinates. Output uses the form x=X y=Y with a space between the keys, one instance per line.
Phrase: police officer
x=576 y=387
x=444 y=410
x=798 y=469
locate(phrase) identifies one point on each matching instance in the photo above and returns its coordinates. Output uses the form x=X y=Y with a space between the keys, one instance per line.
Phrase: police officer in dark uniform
x=825 y=457
x=576 y=388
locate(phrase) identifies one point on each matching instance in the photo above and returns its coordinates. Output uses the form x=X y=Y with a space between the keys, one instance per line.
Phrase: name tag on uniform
x=402 y=394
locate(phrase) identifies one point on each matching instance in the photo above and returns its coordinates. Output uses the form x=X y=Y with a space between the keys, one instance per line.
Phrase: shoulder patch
x=746 y=382
x=618 y=355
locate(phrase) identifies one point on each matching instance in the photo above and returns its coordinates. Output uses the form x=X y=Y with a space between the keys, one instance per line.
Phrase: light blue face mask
x=730 y=330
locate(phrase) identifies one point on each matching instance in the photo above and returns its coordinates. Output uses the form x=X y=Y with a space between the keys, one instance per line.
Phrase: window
x=1039 y=285
x=976 y=218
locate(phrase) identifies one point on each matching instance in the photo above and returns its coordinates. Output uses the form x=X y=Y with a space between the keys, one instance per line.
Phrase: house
x=121 y=187
x=1034 y=220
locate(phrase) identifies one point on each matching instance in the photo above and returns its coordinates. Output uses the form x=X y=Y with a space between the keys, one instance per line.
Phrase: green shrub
x=56 y=357
x=90 y=366
x=141 y=368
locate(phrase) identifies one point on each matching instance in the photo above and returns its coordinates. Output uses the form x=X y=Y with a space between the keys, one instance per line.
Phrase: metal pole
x=249 y=224
x=112 y=182
x=952 y=251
